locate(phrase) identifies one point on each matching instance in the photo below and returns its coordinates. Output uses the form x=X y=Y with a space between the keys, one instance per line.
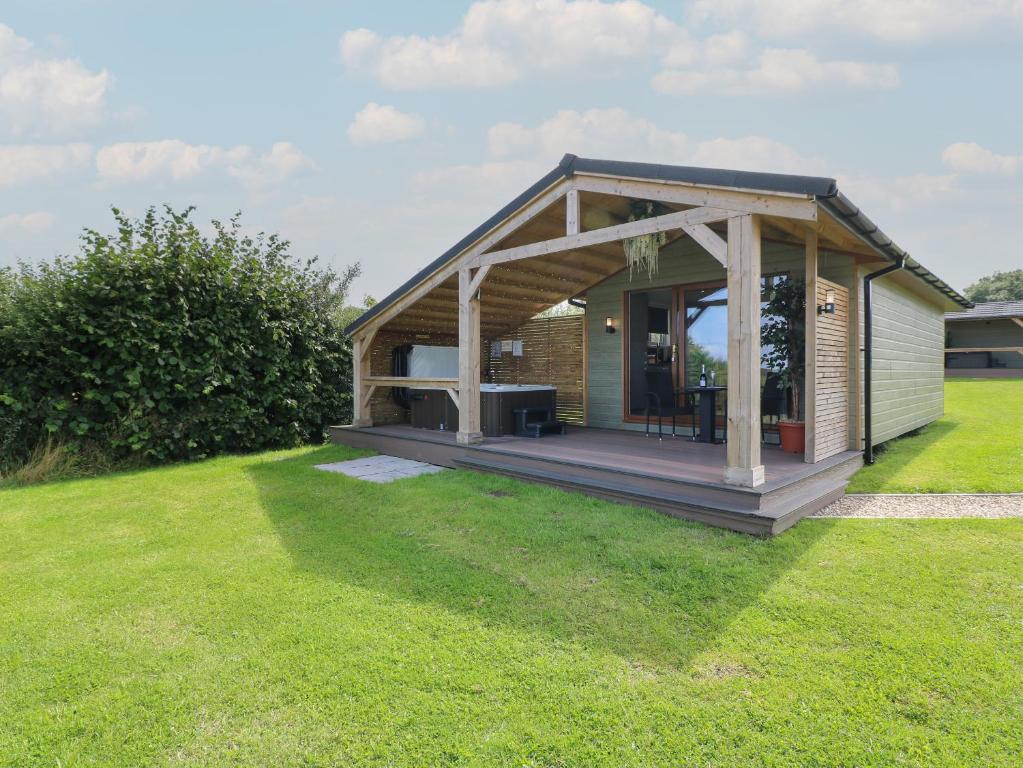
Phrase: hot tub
x=434 y=409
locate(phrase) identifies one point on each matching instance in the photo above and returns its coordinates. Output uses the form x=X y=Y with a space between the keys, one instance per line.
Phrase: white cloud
x=176 y=160
x=283 y=161
x=173 y=158
x=754 y=153
x=618 y=134
x=26 y=223
x=612 y=133
x=20 y=163
x=888 y=20
x=495 y=179
x=899 y=194
x=47 y=95
x=12 y=47
x=500 y=42
x=969 y=157
x=383 y=124
x=774 y=70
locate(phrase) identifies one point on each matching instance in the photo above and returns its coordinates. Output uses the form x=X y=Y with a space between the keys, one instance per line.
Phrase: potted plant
x=783 y=344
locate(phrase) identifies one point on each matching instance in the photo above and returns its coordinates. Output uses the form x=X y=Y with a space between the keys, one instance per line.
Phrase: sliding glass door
x=706 y=335
x=651 y=343
x=663 y=321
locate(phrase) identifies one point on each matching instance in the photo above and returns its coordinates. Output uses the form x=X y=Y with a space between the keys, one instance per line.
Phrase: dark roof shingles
x=989 y=310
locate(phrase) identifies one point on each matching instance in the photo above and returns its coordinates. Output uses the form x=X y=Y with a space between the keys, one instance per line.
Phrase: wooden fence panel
x=552 y=353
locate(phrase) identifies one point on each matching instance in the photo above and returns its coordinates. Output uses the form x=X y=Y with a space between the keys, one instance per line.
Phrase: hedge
x=161 y=343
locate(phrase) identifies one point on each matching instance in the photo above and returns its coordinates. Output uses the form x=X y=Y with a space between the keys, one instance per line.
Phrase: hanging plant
x=641 y=252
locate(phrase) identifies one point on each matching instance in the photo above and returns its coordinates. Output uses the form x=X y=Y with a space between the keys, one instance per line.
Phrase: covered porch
x=563 y=239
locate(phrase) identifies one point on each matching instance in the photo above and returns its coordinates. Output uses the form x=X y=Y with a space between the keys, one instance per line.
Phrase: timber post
x=743 y=466
x=469 y=431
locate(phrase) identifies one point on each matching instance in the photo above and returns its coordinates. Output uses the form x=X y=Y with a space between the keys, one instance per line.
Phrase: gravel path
x=907 y=505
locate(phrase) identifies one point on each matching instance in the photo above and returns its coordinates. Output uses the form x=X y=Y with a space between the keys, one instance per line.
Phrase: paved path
x=381 y=469
x=910 y=505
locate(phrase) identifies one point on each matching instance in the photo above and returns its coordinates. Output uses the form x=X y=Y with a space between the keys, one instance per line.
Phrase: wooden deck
x=676 y=476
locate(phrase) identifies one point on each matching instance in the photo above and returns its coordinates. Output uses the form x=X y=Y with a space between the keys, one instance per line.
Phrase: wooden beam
x=743 y=465
x=572 y=212
x=536 y=206
x=605 y=235
x=772 y=204
x=469 y=432
x=477 y=280
x=810 y=351
x=710 y=240
x=408 y=381
x=361 y=415
x=367 y=396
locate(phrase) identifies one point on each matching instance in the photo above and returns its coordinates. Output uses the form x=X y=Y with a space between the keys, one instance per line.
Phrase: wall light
x=828 y=307
x=609 y=325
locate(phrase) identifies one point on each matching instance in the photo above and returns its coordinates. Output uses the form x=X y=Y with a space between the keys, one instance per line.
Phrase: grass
x=976 y=447
x=255 y=611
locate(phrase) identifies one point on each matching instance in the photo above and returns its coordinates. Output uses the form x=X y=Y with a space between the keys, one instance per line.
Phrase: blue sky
x=383 y=132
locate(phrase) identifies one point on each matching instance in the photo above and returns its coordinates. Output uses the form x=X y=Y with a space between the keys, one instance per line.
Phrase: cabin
x=985 y=342
x=655 y=386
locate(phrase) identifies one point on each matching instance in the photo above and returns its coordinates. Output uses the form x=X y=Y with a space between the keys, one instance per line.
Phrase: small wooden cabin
x=874 y=330
x=985 y=342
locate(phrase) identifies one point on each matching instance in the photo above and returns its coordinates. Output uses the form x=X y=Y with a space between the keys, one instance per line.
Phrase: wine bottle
x=703 y=376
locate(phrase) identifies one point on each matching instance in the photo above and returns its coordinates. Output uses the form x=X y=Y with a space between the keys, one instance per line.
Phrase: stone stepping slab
x=381 y=469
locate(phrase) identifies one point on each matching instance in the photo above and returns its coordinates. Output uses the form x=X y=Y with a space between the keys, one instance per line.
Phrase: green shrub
x=159 y=343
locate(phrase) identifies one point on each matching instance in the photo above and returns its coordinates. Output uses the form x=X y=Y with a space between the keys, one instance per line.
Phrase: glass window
x=649 y=341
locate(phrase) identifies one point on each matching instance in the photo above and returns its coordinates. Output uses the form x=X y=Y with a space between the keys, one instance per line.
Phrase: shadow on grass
x=649 y=588
x=892 y=457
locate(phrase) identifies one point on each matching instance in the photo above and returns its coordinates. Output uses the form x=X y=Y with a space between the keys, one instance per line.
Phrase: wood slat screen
x=831 y=423
x=552 y=353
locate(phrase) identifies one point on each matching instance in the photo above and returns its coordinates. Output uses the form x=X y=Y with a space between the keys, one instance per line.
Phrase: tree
x=159 y=343
x=349 y=314
x=1001 y=286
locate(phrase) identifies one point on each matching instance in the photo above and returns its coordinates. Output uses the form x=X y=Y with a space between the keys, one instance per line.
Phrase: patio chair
x=661 y=397
x=772 y=401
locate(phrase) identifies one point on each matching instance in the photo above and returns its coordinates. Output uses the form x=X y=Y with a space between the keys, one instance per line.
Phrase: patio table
x=708 y=411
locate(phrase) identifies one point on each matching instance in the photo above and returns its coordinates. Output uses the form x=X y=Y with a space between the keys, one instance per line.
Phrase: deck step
x=765 y=510
x=740 y=510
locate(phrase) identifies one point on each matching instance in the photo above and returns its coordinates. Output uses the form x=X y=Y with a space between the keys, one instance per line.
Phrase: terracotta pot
x=793 y=436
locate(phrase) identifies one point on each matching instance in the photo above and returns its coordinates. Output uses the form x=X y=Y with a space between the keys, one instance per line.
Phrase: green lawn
x=254 y=611
x=977 y=446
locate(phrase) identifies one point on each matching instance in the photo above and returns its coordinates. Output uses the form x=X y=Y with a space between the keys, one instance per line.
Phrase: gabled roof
x=989 y=310
x=824 y=190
